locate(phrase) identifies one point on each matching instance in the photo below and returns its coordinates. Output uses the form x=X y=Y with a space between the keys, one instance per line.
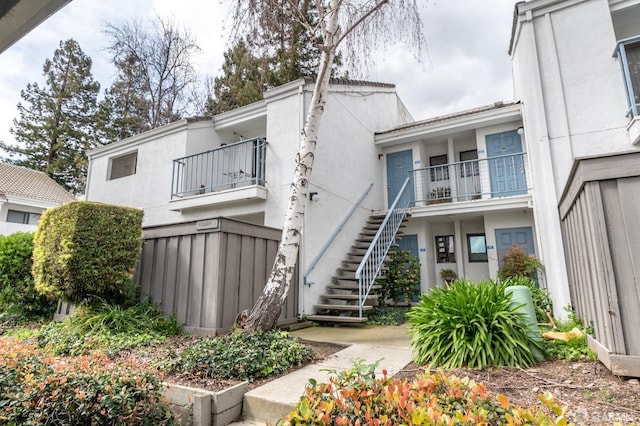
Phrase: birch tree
x=355 y=28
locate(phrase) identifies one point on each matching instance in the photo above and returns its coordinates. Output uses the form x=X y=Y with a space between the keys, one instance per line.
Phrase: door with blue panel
x=399 y=164
x=410 y=243
x=506 y=164
x=508 y=237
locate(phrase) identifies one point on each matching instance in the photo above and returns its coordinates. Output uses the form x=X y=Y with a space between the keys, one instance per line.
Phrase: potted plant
x=441 y=194
x=448 y=275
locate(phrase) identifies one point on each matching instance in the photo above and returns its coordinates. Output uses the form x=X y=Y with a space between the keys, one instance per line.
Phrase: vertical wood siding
x=601 y=231
x=207 y=277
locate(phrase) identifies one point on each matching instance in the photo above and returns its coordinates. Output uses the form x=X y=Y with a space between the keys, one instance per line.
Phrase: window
x=628 y=51
x=445 y=249
x=439 y=168
x=469 y=165
x=477 y=246
x=26 y=218
x=122 y=166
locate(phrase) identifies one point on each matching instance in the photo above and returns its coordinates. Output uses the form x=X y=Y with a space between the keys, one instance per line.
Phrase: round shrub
x=17 y=291
x=244 y=355
x=401 y=281
x=433 y=399
x=39 y=389
x=469 y=324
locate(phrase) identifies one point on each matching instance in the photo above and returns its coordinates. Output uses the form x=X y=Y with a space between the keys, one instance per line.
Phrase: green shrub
x=541 y=300
x=401 y=281
x=469 y=324
x=573 y=350
x=432 y=399
x=244 y=355
x=387 y=315
x=517 y=263
x=38 y=389
x=85 y=250
x=17 y=290
x=108 y=328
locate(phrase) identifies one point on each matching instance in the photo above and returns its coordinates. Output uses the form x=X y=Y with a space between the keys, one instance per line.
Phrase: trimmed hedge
x=86 y=250
x=17 y=292
x=38 y=389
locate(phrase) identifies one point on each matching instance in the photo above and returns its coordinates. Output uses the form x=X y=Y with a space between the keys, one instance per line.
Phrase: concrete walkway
x=267 y=404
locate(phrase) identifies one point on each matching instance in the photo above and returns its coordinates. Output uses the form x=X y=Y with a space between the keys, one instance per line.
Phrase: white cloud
x=467 y=63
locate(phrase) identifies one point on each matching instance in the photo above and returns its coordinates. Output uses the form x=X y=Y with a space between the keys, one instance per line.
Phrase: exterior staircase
x=342 y=298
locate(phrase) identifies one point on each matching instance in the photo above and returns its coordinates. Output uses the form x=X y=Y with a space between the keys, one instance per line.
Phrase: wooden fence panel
x=207 y=276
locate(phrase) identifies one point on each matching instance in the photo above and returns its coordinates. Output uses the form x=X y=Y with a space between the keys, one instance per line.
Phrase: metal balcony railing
x=500 y=176
x=230 y=166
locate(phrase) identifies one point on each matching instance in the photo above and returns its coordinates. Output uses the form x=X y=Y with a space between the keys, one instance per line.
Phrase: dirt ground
x=593 y=394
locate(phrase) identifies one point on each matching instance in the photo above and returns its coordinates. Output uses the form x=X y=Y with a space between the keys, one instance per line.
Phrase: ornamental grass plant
x=469 y=324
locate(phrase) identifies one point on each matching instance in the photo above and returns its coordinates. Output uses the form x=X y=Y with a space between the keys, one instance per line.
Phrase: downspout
x=301 y=286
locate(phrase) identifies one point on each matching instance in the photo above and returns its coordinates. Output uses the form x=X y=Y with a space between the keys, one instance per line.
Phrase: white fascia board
x=31 y=202
x=284 y=91
x=542 y=7
x=450 y=126
x=483 y=206
x=133 y=141
x=618 y=5
x=240 y=115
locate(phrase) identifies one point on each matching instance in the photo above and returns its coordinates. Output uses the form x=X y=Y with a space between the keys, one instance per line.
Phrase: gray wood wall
x=600 y=214
x=206 y=272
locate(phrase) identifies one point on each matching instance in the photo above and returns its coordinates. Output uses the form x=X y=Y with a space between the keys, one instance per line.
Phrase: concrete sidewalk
x=267 y=404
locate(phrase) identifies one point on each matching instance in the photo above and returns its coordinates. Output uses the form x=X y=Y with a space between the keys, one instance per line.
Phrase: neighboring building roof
x=453 y=116
x=22 y=182
x=348 y=82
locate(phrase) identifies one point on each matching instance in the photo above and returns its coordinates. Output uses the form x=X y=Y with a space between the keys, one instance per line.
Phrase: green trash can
x=521 y=296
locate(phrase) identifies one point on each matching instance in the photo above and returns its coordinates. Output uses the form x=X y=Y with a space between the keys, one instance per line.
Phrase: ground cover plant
x=107 y=327
x=37 y=388
x=387 y=315
x=469 y=324
x=356 y=397
x=243 y=355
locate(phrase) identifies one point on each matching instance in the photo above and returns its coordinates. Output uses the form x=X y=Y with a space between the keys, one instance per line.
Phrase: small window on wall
x=477 y=245
x=445 y=252
x=26 y=218
x=439 y=168
x=122 y=166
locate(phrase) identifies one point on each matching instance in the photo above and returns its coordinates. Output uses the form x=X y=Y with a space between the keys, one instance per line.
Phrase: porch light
x=314 y=196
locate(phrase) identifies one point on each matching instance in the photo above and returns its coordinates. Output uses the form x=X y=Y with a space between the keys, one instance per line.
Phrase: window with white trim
x=124 y=165
x=26 y=218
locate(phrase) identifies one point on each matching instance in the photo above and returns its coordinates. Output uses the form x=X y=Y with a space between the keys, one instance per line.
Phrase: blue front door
x=410 y=244
x=506 y=164
x=399 y=164
x=508 y=237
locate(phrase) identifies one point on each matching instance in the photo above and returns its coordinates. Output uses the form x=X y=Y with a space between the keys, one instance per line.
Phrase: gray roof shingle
x=27 y=183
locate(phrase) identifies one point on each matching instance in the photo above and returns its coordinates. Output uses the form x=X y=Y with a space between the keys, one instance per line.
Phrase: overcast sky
x=466 y=63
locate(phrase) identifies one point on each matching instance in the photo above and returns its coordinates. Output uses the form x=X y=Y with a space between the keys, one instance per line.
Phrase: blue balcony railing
x=230 y=166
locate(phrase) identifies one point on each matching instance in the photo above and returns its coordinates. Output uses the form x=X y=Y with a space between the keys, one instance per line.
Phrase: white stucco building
x=24 y=195
x=576 y=68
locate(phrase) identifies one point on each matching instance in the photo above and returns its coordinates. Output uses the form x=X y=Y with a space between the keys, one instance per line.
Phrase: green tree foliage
x=156 y=81
x=17 y=292
x=84 y=250
x=244 y=78
x=55 y=127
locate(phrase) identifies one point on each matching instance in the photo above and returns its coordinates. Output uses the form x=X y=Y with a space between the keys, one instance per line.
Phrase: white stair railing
x=371 y=264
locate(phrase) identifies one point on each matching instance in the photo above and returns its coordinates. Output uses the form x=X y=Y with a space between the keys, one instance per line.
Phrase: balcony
x=484 y=179
x=628 y=51
x=230 y=173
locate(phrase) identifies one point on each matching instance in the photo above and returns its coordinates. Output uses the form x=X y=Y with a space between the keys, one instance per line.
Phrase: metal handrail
x=335 y=233
x=371 y=264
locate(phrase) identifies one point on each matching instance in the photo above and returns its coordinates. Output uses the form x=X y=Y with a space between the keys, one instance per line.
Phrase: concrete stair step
x=332 y=307
x=352 y=287
x=347 y=296
x=336 y=318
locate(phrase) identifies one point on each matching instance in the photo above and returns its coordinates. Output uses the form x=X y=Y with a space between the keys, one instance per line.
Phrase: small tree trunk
x=266 y=311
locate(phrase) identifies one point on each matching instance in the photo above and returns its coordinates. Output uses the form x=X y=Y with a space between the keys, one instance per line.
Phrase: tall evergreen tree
x=55 y=127
x=244 y=78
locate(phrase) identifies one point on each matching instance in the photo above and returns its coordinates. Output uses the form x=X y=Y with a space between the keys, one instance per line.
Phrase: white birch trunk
x=266 y=311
